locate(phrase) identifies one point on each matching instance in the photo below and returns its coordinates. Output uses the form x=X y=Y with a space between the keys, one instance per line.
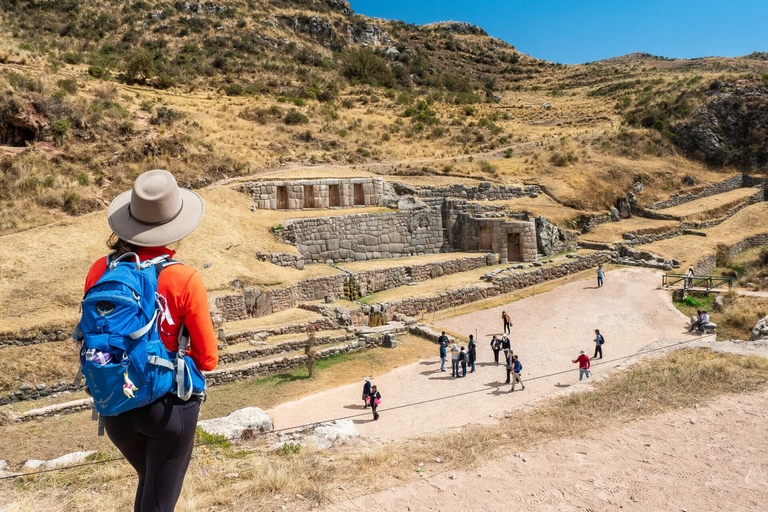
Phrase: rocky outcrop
x=20 y=124
x=760 y=331
x=458 y=27
x=731 y=130
x=547 y=237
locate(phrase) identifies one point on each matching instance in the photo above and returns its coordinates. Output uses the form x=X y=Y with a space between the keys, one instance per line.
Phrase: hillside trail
x=548 y=331
x=682 y=460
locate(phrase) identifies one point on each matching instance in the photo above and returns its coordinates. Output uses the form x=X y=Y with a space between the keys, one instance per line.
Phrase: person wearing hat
x=366 y=392
x=157 y=439
x=584 y=365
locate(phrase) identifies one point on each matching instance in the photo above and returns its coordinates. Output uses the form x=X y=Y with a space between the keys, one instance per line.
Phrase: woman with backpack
x=463 y=359
x=157 y=438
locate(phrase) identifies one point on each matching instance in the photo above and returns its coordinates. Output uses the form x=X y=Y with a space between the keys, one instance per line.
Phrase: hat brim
x=143 y=235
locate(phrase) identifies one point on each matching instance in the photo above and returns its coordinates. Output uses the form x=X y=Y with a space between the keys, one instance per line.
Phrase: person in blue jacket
x=443 y=341
x=366 y=392
x=517 y=367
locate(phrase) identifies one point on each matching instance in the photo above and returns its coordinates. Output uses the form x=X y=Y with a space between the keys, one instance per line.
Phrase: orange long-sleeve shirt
x=187 y=299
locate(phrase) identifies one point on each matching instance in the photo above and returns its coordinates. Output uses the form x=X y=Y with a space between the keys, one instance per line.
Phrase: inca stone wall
x=733 y=183
x=292 y=195
x=483 y=192
x=376 y=280
x=367 y=236
x=250 y=302
x=501 y=285
x=12 y=339
x=282 y=259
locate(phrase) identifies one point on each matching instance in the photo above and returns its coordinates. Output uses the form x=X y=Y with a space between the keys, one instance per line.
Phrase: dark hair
x=118 y=246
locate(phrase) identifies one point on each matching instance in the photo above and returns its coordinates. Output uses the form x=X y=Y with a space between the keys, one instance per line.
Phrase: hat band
x=156 y=223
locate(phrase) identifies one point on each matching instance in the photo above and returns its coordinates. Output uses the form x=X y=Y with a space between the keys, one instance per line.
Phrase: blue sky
x=571 y=31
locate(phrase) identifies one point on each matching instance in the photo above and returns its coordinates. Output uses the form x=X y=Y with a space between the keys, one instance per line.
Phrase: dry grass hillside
x=234 y=88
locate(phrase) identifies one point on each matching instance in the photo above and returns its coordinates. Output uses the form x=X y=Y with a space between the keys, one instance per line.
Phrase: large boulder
x=760 y=331
x=239 y=423
x=331 y=434
x=547 y=236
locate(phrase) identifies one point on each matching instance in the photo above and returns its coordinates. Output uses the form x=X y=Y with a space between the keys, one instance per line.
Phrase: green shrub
x=60 y=127
x=71 y=203
x=295 y=117
x=166 y=116
x=83 y=180
x=563 y=159
x=126 y=128
x=234 y=90
x=99 y=72
x=67 y=85
x=73 y=58
x=363 y=66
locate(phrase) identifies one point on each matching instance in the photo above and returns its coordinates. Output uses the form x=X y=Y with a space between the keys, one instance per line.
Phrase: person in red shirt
x=157 y=439
x=584 y=365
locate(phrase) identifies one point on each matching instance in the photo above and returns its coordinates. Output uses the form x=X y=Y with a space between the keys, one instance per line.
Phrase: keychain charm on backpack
x=129 y=387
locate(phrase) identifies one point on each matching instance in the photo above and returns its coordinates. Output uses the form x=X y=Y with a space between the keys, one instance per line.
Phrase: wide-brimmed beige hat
x=156 y=212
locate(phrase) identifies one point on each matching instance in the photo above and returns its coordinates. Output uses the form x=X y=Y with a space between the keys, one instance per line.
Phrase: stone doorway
x=282 y=198
x=359 y=195
x=486 y=238
x=334 y=197
x=309 y=196
x=513 y=247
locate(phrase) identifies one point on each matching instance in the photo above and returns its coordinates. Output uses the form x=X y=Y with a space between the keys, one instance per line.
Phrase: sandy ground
x=549 y=330
x=690 y=460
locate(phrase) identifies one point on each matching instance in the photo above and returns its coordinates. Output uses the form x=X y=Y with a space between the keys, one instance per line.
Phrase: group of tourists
x=461 y=358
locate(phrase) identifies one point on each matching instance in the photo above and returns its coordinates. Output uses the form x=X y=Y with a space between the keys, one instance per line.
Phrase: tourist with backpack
x=496 y=347
x=374 y=397
x=517 y=367
x=509 y=365
x=472 y=353
x=146 y=334
x=599 y=342
x=463 y=359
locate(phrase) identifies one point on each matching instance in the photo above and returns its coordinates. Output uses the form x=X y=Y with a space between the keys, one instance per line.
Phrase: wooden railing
x=708 y=283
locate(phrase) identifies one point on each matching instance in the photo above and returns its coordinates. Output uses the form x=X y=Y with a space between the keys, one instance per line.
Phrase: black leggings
x=157 y=440
x=598 y=350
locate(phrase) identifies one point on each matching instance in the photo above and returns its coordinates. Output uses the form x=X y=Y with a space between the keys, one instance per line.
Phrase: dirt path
x=549 y=330
x=688 y=460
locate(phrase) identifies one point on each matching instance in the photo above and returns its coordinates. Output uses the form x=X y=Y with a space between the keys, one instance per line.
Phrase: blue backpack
x=122 y=357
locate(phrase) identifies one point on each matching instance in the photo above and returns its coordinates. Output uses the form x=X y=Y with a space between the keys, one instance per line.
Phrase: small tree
x=309 y=350
x=139 y=65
